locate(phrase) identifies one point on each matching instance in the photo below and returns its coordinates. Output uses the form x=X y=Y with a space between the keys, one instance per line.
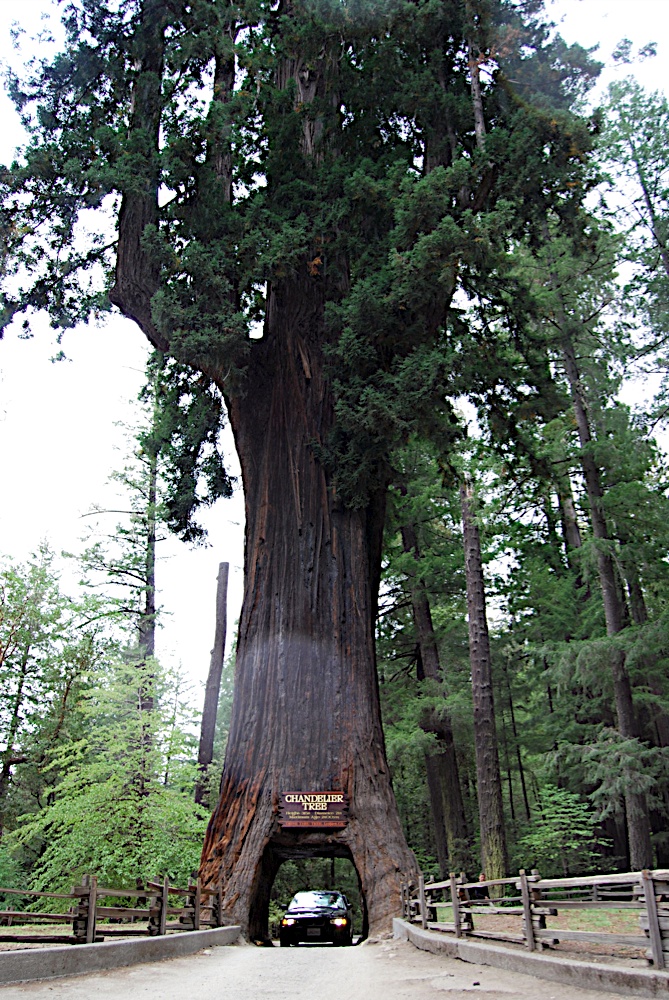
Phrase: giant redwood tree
x=285 y=195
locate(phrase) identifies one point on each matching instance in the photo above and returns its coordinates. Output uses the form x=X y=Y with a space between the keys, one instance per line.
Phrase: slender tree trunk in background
x=507 y=767
x=212 y=690
x=477 y=99
x=659 y=721
x=147 y=618
x=571 y=532
x=516 y=743
x=489 y=783
x=435 y=791
x=570 y=529
x=637 y=600
x=448 y=811
x=636 y=804
x=474 y=59
x=555 y=546
x=9 y=758
x=657 y=225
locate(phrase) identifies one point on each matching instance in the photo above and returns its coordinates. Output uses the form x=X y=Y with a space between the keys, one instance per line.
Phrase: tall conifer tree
x=317 y=168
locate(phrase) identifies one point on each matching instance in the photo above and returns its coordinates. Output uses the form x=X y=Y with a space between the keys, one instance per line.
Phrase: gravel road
x=388 y=970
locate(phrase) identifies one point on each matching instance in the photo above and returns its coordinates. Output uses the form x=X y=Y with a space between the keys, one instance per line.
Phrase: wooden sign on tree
x=320 y=810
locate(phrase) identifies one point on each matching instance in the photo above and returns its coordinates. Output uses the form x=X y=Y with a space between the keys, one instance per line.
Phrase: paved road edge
x=587 y=975
x=77 y=960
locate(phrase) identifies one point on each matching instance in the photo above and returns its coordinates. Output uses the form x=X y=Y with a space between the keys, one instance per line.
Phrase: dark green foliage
x=121 y=806
x=394 y=209
x=188 y=418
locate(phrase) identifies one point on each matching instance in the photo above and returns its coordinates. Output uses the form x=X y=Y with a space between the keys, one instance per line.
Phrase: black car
x=317 y=916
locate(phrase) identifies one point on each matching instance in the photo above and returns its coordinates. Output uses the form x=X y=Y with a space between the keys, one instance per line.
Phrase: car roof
x=318 y=892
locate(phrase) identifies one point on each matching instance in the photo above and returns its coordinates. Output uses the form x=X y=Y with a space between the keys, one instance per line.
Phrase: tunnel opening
x=299 y=863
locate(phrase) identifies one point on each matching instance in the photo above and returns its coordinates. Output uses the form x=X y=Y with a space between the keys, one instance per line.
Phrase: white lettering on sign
x=317 y=809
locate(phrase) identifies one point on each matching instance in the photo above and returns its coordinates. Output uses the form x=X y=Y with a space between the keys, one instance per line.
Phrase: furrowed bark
x=219 y=151
x=306 y=713
x=489 y=783
x=212 y=690
x=306 y=710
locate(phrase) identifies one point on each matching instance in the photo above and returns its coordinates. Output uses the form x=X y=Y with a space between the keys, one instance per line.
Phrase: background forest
x=524 y=595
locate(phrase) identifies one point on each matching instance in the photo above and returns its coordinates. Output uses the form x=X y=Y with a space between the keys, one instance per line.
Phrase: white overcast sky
x=59 y=438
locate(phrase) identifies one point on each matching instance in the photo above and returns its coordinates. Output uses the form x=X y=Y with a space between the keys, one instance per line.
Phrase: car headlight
x=339 y=921
x=287 y=922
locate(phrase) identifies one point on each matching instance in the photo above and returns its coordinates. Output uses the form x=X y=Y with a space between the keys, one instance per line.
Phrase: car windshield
x=309 y=900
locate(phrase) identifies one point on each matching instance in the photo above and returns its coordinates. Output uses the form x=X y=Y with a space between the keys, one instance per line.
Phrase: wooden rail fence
x=92 y=906
x=532 y=899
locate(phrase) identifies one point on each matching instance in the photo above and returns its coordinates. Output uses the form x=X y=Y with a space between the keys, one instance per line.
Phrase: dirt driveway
x=389 y=970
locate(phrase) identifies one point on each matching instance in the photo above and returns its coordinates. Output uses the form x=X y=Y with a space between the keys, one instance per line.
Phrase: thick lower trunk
x=305 y=713
x=488 y=778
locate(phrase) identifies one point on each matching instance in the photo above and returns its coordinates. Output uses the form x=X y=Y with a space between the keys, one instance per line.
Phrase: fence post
x=197 y=901
x=92 y=904
x=79 y=923
x=162 y=923
x=219 y=900
x=653 y=920
x=456 y=906
x=423 y=902
x=527 y=911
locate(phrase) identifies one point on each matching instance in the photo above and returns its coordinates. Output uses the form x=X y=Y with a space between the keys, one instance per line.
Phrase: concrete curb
x=587 y=975
x=76 y=960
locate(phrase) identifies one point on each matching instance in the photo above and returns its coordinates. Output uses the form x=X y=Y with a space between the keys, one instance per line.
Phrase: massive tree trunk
x=488 y=778
x=443 y=780
x=306 y=712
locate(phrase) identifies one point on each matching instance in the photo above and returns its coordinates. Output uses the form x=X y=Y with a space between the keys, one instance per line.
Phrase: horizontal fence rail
x=450 y=907
x=97 y=912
